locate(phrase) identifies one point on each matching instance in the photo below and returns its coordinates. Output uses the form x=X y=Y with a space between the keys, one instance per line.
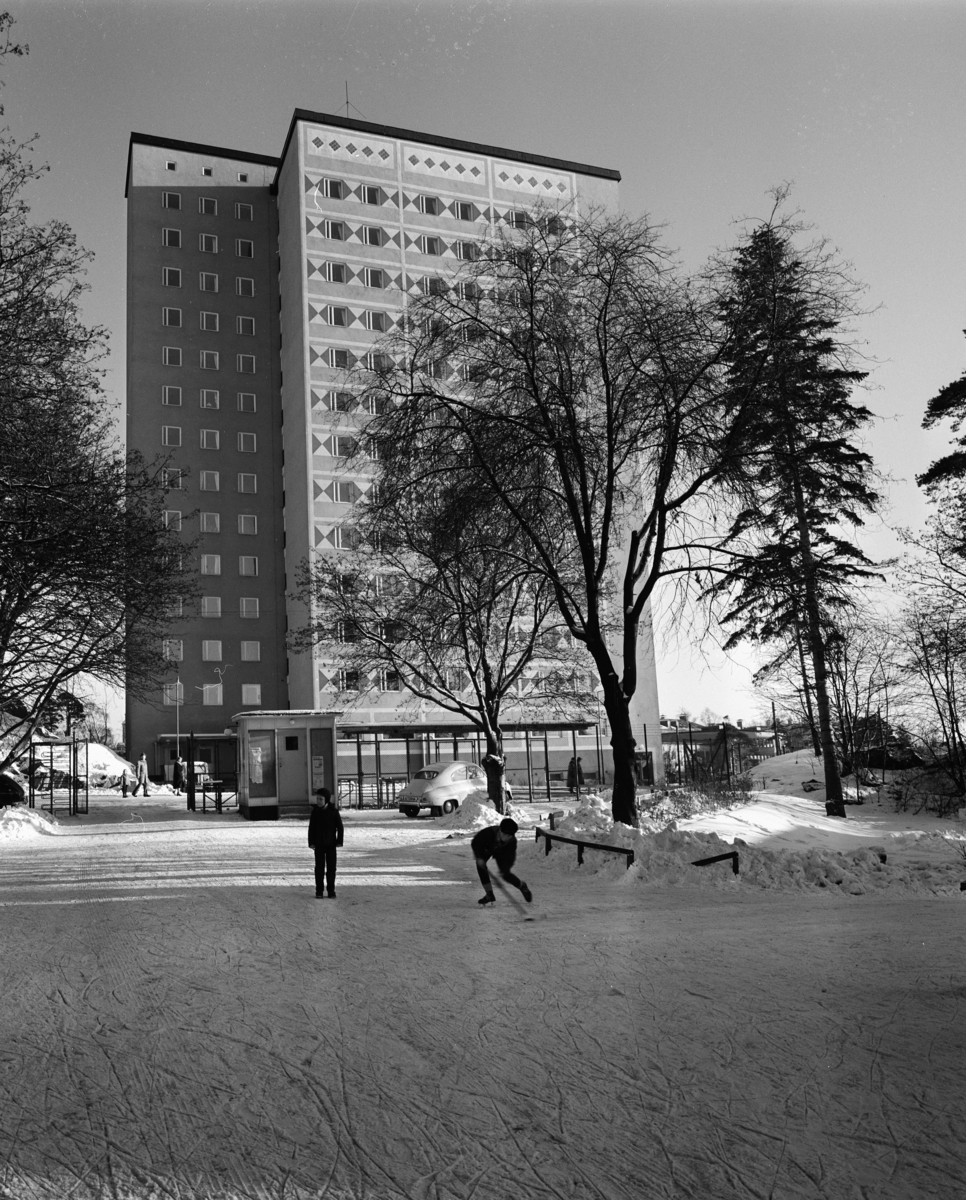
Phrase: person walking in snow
x=141 y=780
x=575 y=774
x=179 y=775
x=326 y=834
x=498 y=842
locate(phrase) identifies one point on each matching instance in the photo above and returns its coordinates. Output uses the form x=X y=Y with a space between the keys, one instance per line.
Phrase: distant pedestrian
x=141 y=781
x=575 y=774
x=498 y=842
x=180 y=779
x=325 y=836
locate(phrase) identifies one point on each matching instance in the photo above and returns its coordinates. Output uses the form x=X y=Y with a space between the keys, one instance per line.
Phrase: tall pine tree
x=804 y=478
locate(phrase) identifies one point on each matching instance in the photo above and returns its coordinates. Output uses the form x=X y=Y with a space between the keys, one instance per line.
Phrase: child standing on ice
x=498 y=842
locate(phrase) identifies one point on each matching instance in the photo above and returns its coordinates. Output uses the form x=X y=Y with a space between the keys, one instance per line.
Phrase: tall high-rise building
x=255 y=285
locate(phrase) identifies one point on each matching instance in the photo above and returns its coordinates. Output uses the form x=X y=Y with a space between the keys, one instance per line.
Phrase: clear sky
x=703 y=105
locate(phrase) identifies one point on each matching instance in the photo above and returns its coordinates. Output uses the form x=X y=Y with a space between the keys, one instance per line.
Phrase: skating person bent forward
x=498 y=842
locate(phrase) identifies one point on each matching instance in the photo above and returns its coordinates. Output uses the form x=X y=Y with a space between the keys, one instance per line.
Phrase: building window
x=247 y=484
x=245 y=326
x=175 y=608
x=209 y=322
x=246 y=443
x=248 y=607
x=245 y=364
x=336 y=316
x=173 y=649
x=371 y=235
x=349 y=681
x=207 y=206
x=333 y=230
x=170 y=435
x=244 y=248
x=334 y=272
x=432 y=285
x=244 y=212
x=173 y=693
x=370 y=195
x=376 y=361
x=207 y=282
x=210 y=398
x=243 y=178
x=520 y=219
x=171 y=238
x=373 y=277
x=247 y=523
x=171 y=356
x=468 y=291
x=210 y=522
x=390 y=681
x=251 y=693
x=210 y=651
x=345 y=492
x=465 y=211
x=209 y=481
x=171 y=478
x=251 y=651
x=345 y=447
x=170 y=199
x=341 y=401
x=430 y=245
x=211 y=606
x=336 y=358
x=171 y=276
x=170 y=166
x=467 y=251
x=332 y=189
x=210 y=439
x=171 y=316
x=172 y=519
x=211 y=564
x=247 y=564
x=243 y=286
x=171 y=395
x=377 y=321
x=246 y=401
x=208 y=243
x=212 y=694
x=206 y=170
x=429 y=205
x=209 y=360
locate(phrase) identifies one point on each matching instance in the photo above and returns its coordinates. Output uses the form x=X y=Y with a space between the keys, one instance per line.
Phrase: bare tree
x=436 y=595
x=574 y=376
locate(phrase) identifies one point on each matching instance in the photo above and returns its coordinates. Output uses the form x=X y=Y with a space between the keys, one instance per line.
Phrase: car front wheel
x=411 y=812
x=448 y=806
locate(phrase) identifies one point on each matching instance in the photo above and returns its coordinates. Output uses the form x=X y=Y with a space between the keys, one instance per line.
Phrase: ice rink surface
x=182 y=1019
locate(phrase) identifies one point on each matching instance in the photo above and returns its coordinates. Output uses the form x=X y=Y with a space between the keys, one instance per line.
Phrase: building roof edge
x=150 y=139
x=350 y=123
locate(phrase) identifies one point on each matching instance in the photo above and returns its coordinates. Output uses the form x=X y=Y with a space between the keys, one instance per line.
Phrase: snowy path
x=182 y=1019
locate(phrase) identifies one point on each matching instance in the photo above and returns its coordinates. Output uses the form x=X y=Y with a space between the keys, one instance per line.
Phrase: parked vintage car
x=441 y=787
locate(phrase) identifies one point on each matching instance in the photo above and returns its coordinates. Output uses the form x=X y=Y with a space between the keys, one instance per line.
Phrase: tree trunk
x=623 y=746
x=494 y=764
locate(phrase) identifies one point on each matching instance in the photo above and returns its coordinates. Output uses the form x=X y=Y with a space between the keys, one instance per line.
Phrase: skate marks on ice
x=238 y=1042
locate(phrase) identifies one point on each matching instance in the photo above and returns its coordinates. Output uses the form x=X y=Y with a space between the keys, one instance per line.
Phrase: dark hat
x=508 y=825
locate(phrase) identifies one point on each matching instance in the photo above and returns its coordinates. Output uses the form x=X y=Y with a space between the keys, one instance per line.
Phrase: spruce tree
x=804 y=478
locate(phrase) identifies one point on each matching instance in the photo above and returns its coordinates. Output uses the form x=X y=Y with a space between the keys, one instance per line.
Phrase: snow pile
x=806 y=850
x=18 y=821
x=477 y=812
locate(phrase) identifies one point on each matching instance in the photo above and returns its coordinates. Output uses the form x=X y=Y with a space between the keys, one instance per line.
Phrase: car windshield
x=427 y=774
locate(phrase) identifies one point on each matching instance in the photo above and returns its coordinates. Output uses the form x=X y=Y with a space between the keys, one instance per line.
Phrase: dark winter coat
x=486 y=845
x=325 y=827
x=575 y=774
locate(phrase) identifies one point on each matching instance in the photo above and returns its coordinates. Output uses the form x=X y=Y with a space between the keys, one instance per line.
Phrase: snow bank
x=477 y=811
x=921 y=861
x=18 y=821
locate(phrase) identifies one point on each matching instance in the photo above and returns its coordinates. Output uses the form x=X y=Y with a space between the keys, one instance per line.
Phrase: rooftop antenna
x=348 y=105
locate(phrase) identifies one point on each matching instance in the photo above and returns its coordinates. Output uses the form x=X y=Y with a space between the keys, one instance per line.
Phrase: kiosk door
x=293 y=782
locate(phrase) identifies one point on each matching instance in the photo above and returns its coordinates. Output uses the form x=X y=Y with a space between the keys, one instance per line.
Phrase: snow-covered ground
x=182 y=1019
